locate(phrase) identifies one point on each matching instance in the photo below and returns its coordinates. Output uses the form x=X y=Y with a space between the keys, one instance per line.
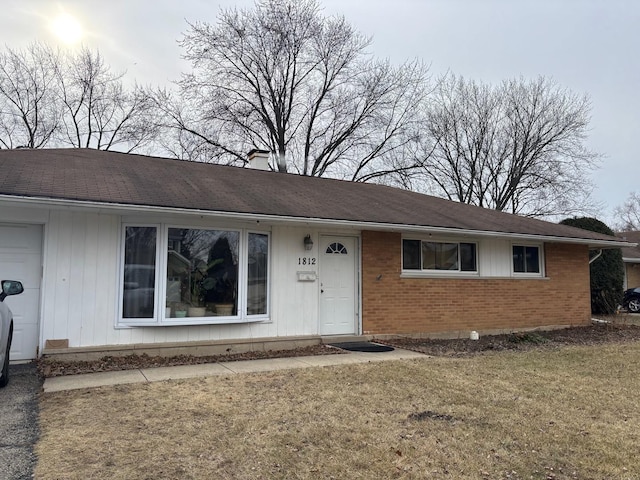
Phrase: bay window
x=205 y=275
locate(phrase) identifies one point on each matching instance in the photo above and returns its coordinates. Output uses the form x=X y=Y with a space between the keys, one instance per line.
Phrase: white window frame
x=160 y=318
x=541 y=262
x=245 y=278
x=408 y=273
x=156 y=291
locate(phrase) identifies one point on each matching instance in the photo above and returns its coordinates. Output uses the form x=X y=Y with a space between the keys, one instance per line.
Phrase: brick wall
x=633 y=274
x=391 y=304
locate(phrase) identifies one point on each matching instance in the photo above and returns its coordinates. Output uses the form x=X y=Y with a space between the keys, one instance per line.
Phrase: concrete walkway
x=145 y=375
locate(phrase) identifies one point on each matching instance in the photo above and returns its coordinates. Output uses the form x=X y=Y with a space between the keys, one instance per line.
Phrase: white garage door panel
x=25 y=324
x=21 y=259
x=21 y=266
x=24 y=238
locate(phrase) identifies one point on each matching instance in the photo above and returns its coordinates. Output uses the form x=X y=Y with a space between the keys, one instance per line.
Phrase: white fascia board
x=280 y=219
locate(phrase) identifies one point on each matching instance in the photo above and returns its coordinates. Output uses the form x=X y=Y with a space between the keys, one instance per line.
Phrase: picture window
x=207 y=275
x=439 y=256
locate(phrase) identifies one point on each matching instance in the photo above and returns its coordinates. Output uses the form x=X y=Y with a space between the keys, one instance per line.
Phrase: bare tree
x=186 y=135
x=29 y=113
x=517 y=147
x=98 y=112
x=285 y=78
x=628 y=214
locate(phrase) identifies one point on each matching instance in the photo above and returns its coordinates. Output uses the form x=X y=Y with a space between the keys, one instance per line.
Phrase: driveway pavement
x=19 y=423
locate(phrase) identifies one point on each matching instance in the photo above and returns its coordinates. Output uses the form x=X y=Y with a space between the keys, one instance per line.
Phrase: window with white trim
x=429 y=256
x=139 y=279
x=183 y=275
x=526 y=259
x=258 y=270
x=202 y=272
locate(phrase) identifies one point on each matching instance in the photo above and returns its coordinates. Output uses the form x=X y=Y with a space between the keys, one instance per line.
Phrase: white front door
x=21 y=259
x=338 y=285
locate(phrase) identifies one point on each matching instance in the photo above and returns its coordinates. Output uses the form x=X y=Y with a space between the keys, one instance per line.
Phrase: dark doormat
x=362 y=347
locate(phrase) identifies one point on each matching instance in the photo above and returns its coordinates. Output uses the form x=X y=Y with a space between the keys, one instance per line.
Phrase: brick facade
x=394 y=305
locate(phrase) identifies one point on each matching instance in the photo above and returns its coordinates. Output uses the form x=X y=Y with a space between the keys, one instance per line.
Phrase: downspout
x=596 y=257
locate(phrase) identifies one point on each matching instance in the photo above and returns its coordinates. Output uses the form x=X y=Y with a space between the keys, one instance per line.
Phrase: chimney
x=258 y=159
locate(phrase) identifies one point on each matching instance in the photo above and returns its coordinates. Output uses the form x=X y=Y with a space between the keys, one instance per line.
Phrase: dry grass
x=570 y=413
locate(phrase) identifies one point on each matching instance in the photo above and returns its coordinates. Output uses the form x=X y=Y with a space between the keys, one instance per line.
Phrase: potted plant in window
x=196 y=309
x=197 y=290
x=222 y=278
x=180 y=310
x=202 y=282
x=225 y=296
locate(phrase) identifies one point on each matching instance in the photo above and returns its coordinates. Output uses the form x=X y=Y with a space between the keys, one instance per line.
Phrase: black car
x=631 y=300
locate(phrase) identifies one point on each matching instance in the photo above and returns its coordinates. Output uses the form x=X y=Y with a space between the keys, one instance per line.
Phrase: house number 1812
x=306 y=261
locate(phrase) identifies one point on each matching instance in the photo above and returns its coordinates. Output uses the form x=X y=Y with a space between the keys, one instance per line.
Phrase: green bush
x=607 y=272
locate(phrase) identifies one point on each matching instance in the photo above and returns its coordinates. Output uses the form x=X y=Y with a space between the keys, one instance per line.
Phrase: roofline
x=592 y=243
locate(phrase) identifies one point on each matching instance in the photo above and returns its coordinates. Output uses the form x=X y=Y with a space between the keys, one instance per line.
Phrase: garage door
x=21 y=259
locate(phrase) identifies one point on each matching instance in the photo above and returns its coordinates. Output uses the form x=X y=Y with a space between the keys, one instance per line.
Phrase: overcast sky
x=588 y=46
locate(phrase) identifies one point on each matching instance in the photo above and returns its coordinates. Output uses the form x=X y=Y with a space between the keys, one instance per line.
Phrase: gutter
x=280 y=219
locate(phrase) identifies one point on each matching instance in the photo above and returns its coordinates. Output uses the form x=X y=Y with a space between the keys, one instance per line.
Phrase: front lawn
x=565 y=413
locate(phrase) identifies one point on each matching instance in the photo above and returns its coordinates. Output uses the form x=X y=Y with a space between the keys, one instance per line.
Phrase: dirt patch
x=57 y=368
x=596 y=334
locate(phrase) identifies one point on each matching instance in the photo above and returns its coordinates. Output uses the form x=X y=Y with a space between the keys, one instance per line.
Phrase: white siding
x=81 y=286
x=80 y=277
x=494 y=258
x=295 y=303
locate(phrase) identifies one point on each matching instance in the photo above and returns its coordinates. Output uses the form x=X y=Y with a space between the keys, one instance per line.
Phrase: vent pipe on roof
x=258 y=159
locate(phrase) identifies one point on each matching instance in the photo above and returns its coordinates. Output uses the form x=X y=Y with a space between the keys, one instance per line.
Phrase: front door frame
x=324 y=240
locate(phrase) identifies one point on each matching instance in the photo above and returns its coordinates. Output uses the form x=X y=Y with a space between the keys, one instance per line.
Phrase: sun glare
x=66 y=28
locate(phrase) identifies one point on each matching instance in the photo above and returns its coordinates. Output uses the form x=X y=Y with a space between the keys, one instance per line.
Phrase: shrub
x=607 y=272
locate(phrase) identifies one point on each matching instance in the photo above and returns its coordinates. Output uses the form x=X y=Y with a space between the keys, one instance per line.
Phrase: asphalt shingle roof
x=118 y=178
x=631 y=253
